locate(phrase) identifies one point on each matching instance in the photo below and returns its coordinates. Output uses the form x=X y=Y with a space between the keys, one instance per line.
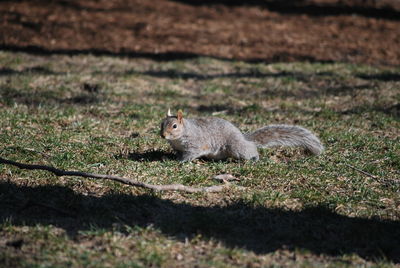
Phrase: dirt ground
x=259 y=30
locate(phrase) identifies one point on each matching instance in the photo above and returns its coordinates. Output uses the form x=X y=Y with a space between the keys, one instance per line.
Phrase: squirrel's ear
x=169 y=112
x=180 y=116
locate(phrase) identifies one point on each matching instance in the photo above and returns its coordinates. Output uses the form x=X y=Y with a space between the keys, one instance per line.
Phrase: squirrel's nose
x=162 y=135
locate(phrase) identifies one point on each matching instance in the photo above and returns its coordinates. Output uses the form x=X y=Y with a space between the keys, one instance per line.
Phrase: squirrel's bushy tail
x=286 y=135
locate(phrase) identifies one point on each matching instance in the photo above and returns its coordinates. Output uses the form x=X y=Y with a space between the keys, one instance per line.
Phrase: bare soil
x=320 y=30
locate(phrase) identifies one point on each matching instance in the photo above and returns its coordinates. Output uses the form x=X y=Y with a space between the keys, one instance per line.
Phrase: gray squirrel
x=216 y=138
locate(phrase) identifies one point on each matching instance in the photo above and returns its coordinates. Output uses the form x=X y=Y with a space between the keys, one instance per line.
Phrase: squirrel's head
x=172 y=126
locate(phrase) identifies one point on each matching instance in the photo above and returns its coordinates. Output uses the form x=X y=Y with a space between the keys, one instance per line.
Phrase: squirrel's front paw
x=255 y=158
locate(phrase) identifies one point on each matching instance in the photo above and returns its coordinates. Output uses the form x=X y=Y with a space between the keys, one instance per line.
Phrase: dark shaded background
x=257 y=30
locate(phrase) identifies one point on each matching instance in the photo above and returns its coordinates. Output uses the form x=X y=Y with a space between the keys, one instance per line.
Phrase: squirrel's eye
x=174 y=126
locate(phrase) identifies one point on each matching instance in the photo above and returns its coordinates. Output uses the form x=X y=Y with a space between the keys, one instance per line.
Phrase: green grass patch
x=102 y=115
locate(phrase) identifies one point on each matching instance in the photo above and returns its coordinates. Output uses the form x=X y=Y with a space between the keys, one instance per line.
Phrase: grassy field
x=101 y=114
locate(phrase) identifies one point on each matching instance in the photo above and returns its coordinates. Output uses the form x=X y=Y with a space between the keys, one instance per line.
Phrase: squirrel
x=217 y=139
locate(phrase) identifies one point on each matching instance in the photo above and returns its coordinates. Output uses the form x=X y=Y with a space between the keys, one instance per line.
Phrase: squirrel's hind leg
x=244 y=149
x=190 y=156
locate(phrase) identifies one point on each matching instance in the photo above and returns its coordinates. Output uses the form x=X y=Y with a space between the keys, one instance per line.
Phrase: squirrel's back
x=216 y=128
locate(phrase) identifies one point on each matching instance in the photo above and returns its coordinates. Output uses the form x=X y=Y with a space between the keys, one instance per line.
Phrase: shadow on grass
x=386 y=77
x=393 y=110
x=283 y=7
x=31 y=70
x=257 y=229
x=173 y=74
x=321 y=89
x=306 y=8
x=161 y=57
x=148 y=156
x=9 y=96
x=166 y=56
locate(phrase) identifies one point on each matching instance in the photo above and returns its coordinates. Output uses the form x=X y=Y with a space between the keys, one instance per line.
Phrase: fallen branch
x=166 y=187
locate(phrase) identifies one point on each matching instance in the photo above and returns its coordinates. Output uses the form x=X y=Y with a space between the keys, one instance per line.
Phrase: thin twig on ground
x=166 y=187
x=362 y=171
x=383 y=180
